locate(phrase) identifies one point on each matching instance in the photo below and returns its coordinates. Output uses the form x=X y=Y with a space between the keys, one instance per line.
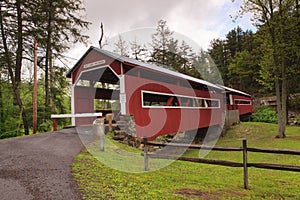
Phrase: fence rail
x=245 y=164
x=192 y=146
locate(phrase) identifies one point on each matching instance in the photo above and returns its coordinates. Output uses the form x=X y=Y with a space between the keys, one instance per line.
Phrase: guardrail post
x=146 y=154
x=245 y=164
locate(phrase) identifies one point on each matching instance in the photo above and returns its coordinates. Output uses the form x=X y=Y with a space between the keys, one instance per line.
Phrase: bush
x=9 y=134
x=264 y=114
x=45 y=126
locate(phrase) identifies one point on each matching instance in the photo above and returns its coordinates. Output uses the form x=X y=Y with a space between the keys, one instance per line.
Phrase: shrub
x=264 y=114
x=9 y=134
x=45 y=126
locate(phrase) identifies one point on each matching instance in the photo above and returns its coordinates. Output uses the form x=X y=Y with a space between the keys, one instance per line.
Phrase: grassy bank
x=184 y=180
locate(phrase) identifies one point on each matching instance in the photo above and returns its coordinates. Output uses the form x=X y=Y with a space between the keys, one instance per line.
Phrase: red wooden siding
x=243 y=108
x=161 y=121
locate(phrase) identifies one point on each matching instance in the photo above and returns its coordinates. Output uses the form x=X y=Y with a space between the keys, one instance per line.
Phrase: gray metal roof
x=234 y=90
x=154 y=67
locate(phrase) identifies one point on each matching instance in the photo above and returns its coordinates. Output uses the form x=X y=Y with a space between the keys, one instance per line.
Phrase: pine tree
x=61 y=25
x=138 y=51
x=161 y=42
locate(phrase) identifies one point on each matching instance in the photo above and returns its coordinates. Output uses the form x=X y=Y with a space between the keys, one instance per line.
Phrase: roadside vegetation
x=264 y=114
x=185 y=180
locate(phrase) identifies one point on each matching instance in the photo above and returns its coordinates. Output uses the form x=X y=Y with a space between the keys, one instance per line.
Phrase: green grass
x=185 y=180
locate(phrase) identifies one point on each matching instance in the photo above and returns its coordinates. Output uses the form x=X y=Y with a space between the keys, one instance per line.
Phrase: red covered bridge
x=162 y=101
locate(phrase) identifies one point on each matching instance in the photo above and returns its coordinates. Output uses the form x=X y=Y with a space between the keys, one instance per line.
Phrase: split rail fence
x=245 y=164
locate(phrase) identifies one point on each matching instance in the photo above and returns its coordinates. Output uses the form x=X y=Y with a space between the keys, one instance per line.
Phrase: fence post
x=146 y=154
x=100 y=129
x=245 y=164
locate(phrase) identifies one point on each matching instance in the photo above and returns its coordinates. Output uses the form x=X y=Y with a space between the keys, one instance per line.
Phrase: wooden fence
x=245 y=164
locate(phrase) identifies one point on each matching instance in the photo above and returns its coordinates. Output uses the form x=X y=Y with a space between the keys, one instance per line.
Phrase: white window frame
x=177 y=95
x=73 y=111
x=250 y=102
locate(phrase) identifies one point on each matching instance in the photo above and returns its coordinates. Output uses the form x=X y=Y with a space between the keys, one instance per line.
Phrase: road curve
x=39 y=166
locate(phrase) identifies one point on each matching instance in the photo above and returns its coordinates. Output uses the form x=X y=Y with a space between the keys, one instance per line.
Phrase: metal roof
x=234 y=90
x=153 y=67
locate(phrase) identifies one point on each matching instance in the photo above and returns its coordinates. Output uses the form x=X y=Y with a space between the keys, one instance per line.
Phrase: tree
x=121 y=47
x=11 y=25
x=161 y=42
x=217 y=52
x=61 y=26
x=234 y=42
x=187 y=57
x=138 y=51
x=54 y=24
x=200 y=66
x=1 y=104
x=244 y=72
x=275 y=18
x=166 y=51
x=228 y=55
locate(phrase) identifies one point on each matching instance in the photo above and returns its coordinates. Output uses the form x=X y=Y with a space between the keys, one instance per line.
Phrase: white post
x=231 y=99
x=73 y=104
x=99 y=125
x=122 y=95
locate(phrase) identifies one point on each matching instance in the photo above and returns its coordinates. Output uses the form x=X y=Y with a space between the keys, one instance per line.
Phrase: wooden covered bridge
x=162 y=101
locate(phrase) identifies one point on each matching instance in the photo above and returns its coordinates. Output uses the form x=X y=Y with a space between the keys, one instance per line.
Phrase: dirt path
x=39 y=167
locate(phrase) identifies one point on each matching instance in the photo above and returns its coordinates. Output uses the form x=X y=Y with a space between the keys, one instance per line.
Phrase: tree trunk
x=284 y=100
x=34 y=96
x=47 y=99
x=1 y=107
x=9 y=62
x=48 y=55
x=19 y=52
x=279 y=107
x=53 y=106
x=281 y=133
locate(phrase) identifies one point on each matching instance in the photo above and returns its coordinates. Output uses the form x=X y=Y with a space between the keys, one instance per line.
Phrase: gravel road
x=39 y=166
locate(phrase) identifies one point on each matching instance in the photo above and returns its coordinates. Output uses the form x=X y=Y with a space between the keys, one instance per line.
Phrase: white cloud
x=199 y=20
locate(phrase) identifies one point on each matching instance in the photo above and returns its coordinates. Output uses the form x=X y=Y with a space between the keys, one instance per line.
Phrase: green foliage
x=9 y=134
x=168 y=52
x=10 y=115
x=11 y=123
x=54 y=24
x=45 y=126
x=264 y=114
x=243 y=71
x=237 y=58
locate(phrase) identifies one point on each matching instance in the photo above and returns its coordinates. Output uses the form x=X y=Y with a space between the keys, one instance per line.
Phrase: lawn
x=185 y=180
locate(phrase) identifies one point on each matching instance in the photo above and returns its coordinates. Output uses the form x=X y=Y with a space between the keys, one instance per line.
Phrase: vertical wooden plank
x=146 y=154
x=245 y=164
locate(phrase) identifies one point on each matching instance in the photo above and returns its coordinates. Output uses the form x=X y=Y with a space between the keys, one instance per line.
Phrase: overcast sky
x=199 y=20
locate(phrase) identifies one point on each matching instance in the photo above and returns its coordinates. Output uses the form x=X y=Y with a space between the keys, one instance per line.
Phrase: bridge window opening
x=100 y=87
x=242 y=102
x=164 y=100
x=83 y=83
